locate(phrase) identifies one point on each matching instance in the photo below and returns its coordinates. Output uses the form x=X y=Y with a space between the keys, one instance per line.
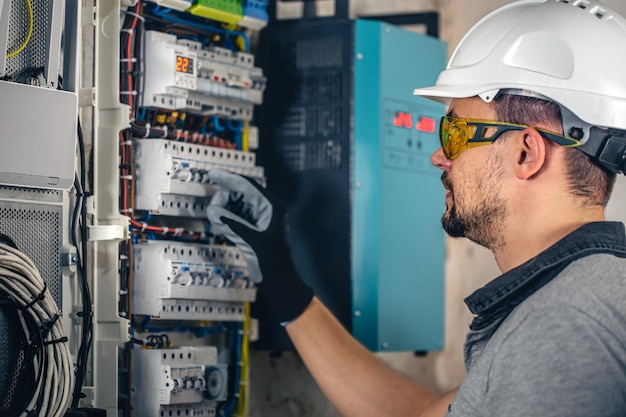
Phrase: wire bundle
x=47 y=348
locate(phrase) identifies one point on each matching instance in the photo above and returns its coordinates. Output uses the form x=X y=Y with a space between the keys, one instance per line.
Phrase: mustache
x=447 y=183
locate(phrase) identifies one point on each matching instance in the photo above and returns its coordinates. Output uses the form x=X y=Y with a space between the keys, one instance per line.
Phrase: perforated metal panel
x=22 y=66
x=310 y=135
x=36 y=228
x=33 y=218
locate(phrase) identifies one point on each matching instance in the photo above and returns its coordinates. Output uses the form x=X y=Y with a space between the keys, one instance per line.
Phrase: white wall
x=283 y=387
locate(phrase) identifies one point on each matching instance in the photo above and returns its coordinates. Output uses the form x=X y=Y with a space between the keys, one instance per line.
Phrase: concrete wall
x=283 y=387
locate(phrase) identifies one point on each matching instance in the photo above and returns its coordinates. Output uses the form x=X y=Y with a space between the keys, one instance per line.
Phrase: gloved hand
x=256 y=222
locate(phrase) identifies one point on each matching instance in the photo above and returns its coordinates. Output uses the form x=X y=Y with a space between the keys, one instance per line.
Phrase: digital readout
x=184 y=64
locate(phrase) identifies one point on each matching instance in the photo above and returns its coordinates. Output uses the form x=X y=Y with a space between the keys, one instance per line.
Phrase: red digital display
x=403 y=119
x=424 y=124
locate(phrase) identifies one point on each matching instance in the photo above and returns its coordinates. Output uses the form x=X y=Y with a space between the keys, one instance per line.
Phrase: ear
x=530 y=154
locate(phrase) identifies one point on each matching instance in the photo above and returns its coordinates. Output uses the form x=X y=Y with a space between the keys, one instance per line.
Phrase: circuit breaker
x=347 y=148
x=178 y=382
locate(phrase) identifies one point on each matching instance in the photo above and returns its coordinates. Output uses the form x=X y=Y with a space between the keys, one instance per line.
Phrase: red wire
x=124 y=169
x=147 y=228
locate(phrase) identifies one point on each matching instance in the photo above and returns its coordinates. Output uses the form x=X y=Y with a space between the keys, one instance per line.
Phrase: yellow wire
x=245 y=137
x=31 y=23
x=241 y=43
x=242 y=402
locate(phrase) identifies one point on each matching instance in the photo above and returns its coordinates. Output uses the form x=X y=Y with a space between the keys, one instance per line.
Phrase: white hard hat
x=570 y=51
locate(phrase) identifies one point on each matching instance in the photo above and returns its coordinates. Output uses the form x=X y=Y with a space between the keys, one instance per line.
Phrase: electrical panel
x=347 y=147
x=178 y=102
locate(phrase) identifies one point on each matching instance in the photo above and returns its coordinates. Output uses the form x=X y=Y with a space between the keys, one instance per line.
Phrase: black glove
x=256 y=222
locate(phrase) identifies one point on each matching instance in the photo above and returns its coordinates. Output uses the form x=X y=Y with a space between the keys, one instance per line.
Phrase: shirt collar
x=512 y=287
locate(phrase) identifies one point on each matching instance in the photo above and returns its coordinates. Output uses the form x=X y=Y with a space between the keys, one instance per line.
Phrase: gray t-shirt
x=561 y=352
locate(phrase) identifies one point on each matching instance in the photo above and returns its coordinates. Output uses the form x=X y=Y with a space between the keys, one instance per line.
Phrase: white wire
x=21 y=280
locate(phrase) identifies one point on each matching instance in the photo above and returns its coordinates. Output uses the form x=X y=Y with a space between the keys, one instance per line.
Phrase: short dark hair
x=587 y=180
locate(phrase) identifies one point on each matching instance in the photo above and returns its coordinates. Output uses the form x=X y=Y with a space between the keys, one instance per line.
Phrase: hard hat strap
x=608 y=148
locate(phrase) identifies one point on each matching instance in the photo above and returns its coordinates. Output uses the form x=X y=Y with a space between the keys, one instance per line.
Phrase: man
x=533 y=139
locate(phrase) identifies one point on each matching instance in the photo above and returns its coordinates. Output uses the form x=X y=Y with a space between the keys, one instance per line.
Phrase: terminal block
x=254 y=14
x=171 y=176
x=184 y=281
x=185 y=381
x=227 y=11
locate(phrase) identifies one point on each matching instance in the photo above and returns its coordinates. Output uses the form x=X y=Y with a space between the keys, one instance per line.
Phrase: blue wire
x=141 y=114
x=229 y=44
x=157 y=329
x=165 y=9
x=239 y=140
x=216 y=124
x=231 y=126
x=145 y=321
x=237 y=341
x=198 y=331
x=203 y=331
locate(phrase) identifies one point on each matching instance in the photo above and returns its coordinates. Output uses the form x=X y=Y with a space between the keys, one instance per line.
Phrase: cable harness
x=46 y=347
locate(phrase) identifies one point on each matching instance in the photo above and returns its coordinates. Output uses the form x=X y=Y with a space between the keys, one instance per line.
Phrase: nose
x=439 y=160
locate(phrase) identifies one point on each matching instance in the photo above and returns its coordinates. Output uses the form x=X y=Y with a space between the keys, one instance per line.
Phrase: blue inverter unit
x=347 y=147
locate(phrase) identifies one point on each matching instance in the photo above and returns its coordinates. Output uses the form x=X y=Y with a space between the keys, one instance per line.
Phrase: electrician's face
x=474 y=205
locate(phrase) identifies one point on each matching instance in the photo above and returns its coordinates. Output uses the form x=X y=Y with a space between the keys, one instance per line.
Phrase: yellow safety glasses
x=457 y=134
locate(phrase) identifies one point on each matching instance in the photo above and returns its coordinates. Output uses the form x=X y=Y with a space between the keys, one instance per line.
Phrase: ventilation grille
x=593 y=7
x=27 y=63
x=36 y=230
x=310 y=131
x=317 y=53
x=38 y=194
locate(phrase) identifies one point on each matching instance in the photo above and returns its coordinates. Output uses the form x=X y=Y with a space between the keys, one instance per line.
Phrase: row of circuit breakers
x=179 y=76
x=195 y=283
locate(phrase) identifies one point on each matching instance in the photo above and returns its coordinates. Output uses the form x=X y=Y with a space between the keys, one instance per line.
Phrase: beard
x=480 y=220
